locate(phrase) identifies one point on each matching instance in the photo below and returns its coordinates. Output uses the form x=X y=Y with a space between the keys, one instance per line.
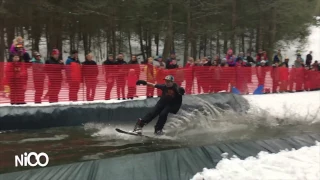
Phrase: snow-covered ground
x=304 y=106
x=303 y=163
x=296 y=164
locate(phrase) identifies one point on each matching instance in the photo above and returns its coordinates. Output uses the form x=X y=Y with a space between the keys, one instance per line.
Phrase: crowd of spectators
x=212 y=74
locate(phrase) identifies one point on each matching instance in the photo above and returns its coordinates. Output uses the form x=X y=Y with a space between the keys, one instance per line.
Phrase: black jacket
x=176 y=102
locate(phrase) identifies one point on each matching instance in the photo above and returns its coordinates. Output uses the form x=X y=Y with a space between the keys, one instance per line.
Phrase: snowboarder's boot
x=138 y=127
x=158 y=132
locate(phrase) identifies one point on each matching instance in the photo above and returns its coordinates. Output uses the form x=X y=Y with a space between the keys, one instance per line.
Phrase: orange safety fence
x=25 y=82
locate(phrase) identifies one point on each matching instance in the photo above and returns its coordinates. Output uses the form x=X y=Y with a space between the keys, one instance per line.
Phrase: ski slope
x=303 y=163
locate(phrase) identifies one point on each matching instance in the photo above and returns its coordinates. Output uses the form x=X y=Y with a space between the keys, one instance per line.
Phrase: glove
x=143 y=82
x=181 y=90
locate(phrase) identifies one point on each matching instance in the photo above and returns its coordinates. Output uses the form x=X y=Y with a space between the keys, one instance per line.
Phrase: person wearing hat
x=54 y=67
x=38 y=76
x=73 y=71
x=170 y=102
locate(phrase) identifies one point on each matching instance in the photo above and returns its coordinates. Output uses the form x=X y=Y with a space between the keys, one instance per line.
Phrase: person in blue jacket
x=170 y=102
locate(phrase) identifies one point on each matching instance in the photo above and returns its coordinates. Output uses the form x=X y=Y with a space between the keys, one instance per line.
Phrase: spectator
x=16 y=41
x=54 y=68
x=172 y=57
x=19 y=49
x=241 y=56
x=135 y=65
x=159 y=63
x=217 y=58
x=316 y=66
x=300 y=57
x=261 y=72
x=132 y=87
x=189 y=75
x=90 y=72
x=215 y=77
x=15 y=77
x=121 y=76
x=215 y=63
x=205 y=62
x=109 y=72
x=231 y=59
x=229 y=54
x=286 y=62
x=151 y=74
x=204 y=75
x=160 y=72
x=298 y=63
x=275 y=77
x=73 y=75
x=283 y=77
x=38 y=76
x=173 y=64
x=277 y=58
x=249 y=60
x=309 y=59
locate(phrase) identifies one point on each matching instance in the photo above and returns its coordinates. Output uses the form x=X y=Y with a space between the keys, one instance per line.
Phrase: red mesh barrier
x=60 y=83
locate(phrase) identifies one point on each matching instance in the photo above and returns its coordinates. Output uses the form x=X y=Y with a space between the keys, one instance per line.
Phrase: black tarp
x=36 y=117
x=180 y=164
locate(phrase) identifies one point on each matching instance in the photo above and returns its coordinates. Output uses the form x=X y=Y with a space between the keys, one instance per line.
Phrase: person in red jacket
x=74 y=75
x=283 y=77
x=16 y=75
x=189 y=75
x=132 y=79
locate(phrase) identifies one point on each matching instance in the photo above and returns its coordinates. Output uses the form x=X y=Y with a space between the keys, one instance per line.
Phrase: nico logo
x=24 y=159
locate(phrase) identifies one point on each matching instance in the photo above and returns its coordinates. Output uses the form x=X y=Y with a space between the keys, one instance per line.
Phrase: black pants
x=162 y=111
x=74 y=87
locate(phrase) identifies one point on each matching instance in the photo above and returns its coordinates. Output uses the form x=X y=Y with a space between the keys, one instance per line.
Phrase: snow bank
x=296 y=164
x=302 y=106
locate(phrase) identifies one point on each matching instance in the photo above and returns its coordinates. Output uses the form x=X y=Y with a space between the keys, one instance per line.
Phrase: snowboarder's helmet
x=169 y=78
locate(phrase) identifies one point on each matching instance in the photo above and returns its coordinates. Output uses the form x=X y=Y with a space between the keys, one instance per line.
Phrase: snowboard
x=131 y=133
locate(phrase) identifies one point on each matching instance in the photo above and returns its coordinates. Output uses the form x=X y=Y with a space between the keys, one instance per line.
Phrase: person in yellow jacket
x=151 y=73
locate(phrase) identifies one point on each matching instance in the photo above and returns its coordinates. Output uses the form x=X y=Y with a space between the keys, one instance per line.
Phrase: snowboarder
x=170 y=102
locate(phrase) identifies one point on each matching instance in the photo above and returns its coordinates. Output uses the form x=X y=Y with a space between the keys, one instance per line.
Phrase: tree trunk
x=120 y=41
x=114 y=42
x=187 y=35
x=234 y=21
x=225 y=43
x=141 y=42
x=10 y=34
x=21 y=31
x=211 y=45
x=205 y=45
x=257 y=38
x=156 y=41
x=2 y=45
x=260 y=43
x=149 y=37
x=129 y=43
x=218 y=43
x=251 y=41
x=273 y=30
x=243 y=45
x=2 y=54
x=200 y=47
x=168 y=39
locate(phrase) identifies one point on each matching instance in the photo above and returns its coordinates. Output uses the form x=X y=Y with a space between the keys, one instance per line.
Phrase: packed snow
x=303 y=163
x=304 y=106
